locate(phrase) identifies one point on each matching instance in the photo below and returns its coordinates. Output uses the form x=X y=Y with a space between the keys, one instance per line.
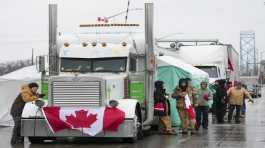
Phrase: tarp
x=9 y=88
x=170 y=70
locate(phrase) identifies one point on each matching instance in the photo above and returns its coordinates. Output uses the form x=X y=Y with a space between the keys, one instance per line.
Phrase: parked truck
x=92 y=71
x=220 y=61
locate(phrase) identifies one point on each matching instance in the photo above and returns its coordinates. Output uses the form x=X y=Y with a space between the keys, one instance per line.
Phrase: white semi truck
x=92 y=71
x=220 y=61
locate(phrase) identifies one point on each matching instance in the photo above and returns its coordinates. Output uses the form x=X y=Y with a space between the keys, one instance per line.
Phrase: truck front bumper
x=31 y=127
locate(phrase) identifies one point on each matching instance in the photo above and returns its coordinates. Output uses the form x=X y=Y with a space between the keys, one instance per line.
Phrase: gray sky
x=24 y=23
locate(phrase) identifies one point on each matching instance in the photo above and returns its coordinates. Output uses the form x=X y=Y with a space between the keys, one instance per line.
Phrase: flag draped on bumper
x=89 y=120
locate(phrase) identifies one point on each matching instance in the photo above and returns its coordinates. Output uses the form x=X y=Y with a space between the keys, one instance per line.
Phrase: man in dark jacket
x=220 y=101
x=162 y=108
x=28 y=93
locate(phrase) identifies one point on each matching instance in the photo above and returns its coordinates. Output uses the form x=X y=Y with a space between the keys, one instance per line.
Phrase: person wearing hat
x=180 y=93
x=236 y=95
x=204 y=95
x=162 y=108
x=28 y=93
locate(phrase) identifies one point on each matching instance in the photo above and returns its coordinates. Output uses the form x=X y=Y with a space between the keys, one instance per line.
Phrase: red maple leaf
x=81 y=120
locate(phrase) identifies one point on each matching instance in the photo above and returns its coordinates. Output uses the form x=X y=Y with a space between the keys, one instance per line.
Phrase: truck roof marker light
x=109 y=25
x=66 y=44
x=103 y=44
x=84 y=44
x=94 y=44
x=124 y=44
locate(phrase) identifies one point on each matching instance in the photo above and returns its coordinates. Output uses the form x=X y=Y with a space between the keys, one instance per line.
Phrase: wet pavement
x=249 y=134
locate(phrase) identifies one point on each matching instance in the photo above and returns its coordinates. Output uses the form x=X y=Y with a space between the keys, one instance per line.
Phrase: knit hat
x=33 y=84
x=159 y=84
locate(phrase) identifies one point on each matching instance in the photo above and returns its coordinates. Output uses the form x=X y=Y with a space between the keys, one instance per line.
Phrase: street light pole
x=261 y=68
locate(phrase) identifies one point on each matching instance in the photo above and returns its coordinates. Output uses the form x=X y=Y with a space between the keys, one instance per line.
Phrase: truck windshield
x=93 y=65
x=109 y=65
x=211 y=70
x=75 y=65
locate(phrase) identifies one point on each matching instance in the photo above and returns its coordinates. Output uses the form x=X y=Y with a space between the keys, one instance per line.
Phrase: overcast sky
x=24 y=23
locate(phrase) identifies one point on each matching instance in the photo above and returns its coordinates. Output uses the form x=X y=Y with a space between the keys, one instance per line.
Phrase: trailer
x=115 y=67
x=220 y=61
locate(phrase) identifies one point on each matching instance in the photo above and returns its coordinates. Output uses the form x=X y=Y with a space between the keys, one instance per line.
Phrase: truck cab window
x=75 y=65
x=109 y=64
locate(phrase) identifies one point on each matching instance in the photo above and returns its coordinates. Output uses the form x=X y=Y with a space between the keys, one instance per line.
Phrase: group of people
x=231 y=97
x=193 y=105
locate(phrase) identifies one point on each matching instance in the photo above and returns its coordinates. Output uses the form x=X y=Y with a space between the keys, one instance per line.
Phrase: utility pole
x=32 y=56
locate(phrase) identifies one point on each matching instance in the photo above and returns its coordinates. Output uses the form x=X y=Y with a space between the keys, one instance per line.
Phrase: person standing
x=162 y=108
x=202 y=105
x=180 y=93
x=236 y=95
x=220 y=98
x=28 y=93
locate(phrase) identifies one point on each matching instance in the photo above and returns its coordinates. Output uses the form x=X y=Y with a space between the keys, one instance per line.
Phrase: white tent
x=9 y=88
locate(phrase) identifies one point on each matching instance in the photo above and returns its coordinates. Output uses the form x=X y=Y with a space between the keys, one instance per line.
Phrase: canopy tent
x=9 y=88
x=170 y=70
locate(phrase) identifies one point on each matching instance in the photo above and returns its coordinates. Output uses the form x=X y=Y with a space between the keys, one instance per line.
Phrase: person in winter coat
x=220 y=98
x=179 y=94
x=28 y=93
x=236 y=95
x=202 y=106
x=162 y=108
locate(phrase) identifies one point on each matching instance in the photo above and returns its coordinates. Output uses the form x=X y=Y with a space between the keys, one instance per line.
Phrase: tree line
x=8 y=67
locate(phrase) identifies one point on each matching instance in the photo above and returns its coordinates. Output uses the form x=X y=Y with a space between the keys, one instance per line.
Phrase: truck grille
x=76 y=93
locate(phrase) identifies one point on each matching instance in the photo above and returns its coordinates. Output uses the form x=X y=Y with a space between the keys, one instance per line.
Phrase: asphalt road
x=249 y=134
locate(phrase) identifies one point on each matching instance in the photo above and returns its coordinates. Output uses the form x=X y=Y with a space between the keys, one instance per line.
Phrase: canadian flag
x=230 y=65
x=189 y=108
x=90 y=120
x=103 y=19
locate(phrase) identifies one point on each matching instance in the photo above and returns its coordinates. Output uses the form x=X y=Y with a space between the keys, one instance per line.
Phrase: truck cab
x=92 y=74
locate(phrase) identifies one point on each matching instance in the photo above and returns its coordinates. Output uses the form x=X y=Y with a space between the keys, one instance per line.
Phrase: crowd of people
x=193 y=105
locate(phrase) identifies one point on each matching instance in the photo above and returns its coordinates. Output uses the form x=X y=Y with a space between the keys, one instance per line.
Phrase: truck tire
x=138 y=113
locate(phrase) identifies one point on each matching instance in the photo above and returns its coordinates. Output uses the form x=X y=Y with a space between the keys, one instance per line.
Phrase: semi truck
x=220 y=61
x=91 y=71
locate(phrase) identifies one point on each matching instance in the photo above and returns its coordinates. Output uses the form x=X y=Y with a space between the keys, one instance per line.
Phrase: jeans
x=202 y=116
x=231 y=111
x=244 y=108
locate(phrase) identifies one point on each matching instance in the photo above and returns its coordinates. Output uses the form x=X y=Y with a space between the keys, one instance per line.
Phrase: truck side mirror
x=41 y=63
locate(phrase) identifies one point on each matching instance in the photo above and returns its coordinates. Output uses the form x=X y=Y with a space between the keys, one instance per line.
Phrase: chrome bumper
x=31 y=127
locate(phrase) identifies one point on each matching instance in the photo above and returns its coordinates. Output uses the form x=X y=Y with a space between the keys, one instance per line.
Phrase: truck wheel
x=139 y=125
